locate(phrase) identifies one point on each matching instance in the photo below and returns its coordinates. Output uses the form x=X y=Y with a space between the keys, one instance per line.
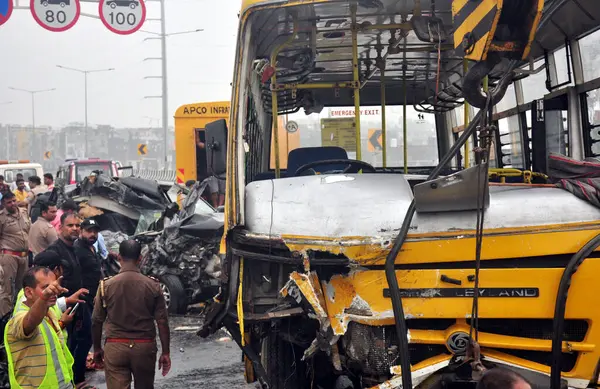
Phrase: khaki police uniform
x=14 y=232
x=41 y=235
x=129 y=304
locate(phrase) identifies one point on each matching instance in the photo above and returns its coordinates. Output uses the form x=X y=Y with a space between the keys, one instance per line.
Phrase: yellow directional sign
x=142 y=149
x=339 y=132
x=375 y=141
x=47 y=155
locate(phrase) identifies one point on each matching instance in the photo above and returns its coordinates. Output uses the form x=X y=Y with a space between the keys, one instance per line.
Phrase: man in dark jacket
x=89 y=259
x=69 y=233
x=90 y=278
x=79 y=340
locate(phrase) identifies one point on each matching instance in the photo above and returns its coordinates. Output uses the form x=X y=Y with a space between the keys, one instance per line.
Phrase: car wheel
x=174 y=294
x=132 y=5
x=113 y=5
x=63 y=5
x=45 y=3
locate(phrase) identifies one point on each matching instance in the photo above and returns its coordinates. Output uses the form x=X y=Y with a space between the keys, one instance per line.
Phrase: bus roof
x=322 y=49
x=249 y=3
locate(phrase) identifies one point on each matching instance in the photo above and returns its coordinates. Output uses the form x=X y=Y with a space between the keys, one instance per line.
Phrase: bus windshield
x=335 y=126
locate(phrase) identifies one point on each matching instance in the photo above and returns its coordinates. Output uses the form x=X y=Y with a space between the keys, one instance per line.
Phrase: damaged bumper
x=356 y=321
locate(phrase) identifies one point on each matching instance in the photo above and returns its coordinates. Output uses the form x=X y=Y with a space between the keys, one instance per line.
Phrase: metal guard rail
x=157 y=175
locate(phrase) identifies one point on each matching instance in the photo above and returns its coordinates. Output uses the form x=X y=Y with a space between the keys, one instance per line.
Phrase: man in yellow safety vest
x=37 y=354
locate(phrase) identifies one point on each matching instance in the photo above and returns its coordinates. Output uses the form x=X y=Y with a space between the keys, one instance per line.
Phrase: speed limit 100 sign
x=122 y=16
x=55 y=15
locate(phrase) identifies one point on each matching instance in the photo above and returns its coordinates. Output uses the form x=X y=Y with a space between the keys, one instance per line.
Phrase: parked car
x=10 y=169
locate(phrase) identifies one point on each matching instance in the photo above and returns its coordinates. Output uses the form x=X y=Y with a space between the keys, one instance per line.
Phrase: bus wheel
x=281 y=361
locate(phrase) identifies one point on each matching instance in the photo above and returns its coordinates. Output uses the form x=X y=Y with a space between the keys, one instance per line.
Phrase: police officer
x=130 y=303
x=14 y=233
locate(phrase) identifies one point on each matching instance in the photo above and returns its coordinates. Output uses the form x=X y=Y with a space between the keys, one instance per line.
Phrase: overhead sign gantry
x=122 y=17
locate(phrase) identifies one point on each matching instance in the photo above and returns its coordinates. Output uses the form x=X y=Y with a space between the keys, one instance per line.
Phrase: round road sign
x=291 y=127
x=122 y=16
x=55 y=15
x=6 y=8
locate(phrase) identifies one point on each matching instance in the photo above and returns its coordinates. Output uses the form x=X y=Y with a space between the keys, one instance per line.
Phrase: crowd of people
x=54 y=302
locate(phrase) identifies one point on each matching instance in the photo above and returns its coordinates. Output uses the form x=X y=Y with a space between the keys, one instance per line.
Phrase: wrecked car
x=185 y=255
x=116 y=204
x=180 y=247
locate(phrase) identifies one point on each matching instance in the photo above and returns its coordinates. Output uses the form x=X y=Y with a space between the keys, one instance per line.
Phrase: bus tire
x=174 y=293
x=281 y=361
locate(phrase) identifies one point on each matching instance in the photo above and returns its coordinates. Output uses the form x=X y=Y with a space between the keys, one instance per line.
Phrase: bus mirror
x=216 y=147
x=429 y=29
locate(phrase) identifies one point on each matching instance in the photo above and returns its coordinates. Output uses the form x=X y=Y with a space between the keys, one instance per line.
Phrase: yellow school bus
x=356 y=265
x=189 y=119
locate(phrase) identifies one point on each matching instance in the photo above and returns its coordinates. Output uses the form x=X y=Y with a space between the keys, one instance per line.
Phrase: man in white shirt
x=13 y=185
x=49 y=181
x=36 y=188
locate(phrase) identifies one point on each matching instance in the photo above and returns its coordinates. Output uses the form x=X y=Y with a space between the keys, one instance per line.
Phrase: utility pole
x=7 y=131
x=165 y=86
x=85 y=75
x=33 y=93
x=164 y=96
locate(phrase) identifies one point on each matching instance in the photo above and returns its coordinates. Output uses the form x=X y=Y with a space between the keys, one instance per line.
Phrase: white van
x=10 y=169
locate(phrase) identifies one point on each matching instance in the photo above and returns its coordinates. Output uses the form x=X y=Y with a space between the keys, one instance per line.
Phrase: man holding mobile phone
x=64 y=304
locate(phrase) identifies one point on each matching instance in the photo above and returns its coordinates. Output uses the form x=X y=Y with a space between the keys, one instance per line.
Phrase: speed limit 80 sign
x=55 y=15
x=122 y=16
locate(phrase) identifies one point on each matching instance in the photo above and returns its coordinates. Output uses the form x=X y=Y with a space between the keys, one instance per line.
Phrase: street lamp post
x=32 y=93
x=85 y=75
x=7 y=133
x=162 y=36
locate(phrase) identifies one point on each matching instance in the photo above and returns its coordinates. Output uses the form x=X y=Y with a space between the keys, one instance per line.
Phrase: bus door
x=549 y=128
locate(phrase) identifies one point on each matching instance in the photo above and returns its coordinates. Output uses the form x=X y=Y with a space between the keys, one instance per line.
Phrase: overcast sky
x=200 y=65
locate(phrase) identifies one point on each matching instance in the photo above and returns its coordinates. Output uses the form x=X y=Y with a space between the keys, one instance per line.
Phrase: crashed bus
x=368 y=261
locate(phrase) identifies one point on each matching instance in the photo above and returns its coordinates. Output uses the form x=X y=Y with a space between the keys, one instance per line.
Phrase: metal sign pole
x=165 y=94
x=33 y=110
x=85 y=74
